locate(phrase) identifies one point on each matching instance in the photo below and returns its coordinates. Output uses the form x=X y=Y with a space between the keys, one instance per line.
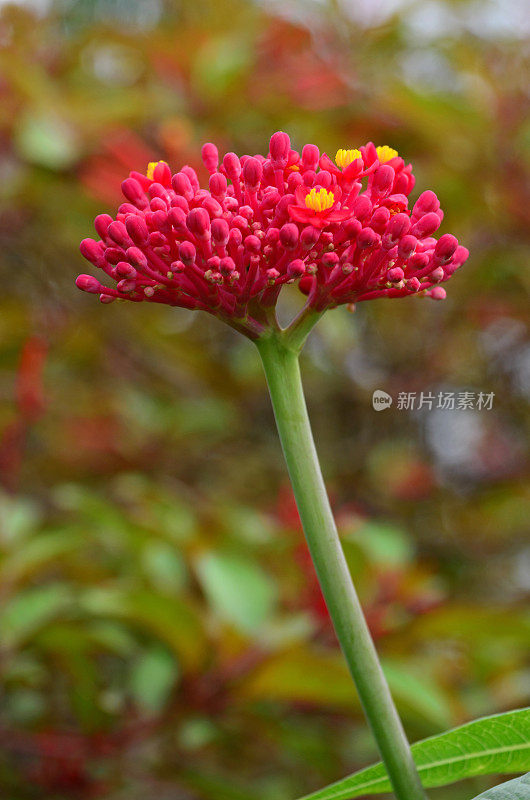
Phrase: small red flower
x=318 y=207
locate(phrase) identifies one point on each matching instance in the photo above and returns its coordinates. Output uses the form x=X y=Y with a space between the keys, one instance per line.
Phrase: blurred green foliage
x=161 y=629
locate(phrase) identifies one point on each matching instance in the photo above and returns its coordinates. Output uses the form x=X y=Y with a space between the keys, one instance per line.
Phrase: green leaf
x=493 y=745
x=153 y=677
x=31 y=610
x=518 y=789
x=238 y=589
x=174 y=621
x=47 y=140
x=36 y=554
x=308 y=675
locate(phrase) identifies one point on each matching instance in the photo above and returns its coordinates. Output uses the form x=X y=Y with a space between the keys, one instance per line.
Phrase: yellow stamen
x=385 y=153
x=151 y=168
x=345 y=157
x=319 y=199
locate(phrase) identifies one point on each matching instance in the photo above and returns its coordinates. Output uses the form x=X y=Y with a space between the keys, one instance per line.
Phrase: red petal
x=326 y=163
x=339 y=215
x=301 y=193
x=353 y=170
x=300 y=214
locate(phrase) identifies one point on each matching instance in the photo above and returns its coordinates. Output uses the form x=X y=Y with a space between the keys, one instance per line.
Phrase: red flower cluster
x=264 y=222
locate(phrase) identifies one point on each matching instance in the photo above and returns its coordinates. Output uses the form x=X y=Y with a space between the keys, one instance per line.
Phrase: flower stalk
x=280 y=356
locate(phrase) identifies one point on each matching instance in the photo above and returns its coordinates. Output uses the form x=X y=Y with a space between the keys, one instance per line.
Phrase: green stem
x=280 y=361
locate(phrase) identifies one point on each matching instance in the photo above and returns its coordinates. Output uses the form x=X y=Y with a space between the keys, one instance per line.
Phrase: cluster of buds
x=264 y=222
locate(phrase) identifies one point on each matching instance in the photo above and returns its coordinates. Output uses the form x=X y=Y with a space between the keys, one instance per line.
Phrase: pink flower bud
x=296 y=268
x=407 y=246
x=136 y=257
x=397 y=227
x=210 y=157
x=220 y=232
x=113 y=255
x=160 y=221
x=118 y=233
x=235 y=237
x=218 y=185
x=279 y=148
x=289 y=236
x=426 y=226
x=272 y=236
x=362 y=207
x=293 y=180
x=380 y=219
x=200 y=196
x=282 y=208
x=309 y=237
x=418 y=261
x=198 y=222
x=178 y=201
x=126 y=286
x=91 y=250
x=158 y=204
x=213 y=208
x=125 y=270
x=101 y=224
x=162 y=174
x=445 y=249
x=159 y=191
x=137 y=230
x=426 y=202
x=252 y=174
x=187 y=253
x=133 y=191
x=177 y=218
x=324 y=179
x=232 y=165
x=352 y=228
x=330 y=259
x=192 y=175
x=252 y=244
x=395 y=274
x=125 y=209
x=239 y=222
x=437 y=275
x=87 y=283
x=367 y=238
x=246 y=212
x=438 y=293
x=226 y=266
x=383 y=181
x=181 y=184
x=461 y=255
x=310 y=156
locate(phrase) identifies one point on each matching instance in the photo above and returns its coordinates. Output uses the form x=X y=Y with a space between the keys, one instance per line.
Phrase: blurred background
x=162 y=634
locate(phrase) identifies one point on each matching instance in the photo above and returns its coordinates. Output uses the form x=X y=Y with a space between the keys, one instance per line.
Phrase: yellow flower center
x=151 y=168
x=385 y=153
x=345 y=157
x=319 y=199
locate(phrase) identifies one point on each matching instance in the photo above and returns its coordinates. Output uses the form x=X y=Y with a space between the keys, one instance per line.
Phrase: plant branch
x=282 y=370
x=296 y=333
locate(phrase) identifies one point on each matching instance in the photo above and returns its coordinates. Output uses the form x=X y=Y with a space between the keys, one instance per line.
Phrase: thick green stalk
x=280 y=361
